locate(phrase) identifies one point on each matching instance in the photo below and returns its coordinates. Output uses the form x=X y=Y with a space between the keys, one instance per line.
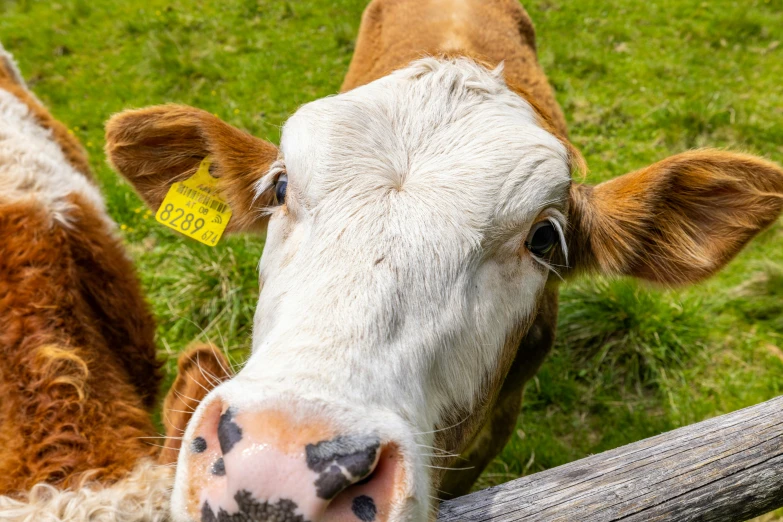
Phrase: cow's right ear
x=677 y=221
x=199 y=369
x=158 y=146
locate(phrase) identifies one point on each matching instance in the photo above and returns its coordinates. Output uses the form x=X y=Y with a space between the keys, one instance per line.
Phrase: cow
x=418 y=225
x=78 y=369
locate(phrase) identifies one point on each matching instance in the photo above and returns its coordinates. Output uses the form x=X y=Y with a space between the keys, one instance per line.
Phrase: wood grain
x=729 y=468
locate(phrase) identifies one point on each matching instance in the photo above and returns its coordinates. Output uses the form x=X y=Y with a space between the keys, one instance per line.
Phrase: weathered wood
x=729 y=468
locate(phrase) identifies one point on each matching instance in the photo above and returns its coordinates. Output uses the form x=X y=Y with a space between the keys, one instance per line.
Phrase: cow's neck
x=393 y=34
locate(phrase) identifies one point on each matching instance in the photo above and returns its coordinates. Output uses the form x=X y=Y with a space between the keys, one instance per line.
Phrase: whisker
x=182 y=395
x=222 y=344
x=181 y=411
x=436 y=456
x=443 y=429
x=196 y=381
x=548 y=267
x=156 y=445
x=431 y=447
x=206 y=335
x=169 y=423
x=212 y=379
x=225 y=353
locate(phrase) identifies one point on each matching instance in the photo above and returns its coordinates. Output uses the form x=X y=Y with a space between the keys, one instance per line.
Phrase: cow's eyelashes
x=281 y=186
x=542 y=238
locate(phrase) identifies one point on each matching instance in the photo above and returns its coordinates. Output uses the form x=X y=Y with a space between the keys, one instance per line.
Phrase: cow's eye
x=542 y=238
x=280 y=188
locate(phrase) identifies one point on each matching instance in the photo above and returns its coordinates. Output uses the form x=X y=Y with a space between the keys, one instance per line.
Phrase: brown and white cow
x=418 y=226
x=78 y=371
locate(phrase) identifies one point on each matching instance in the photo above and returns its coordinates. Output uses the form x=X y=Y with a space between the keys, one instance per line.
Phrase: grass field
x=637 y=80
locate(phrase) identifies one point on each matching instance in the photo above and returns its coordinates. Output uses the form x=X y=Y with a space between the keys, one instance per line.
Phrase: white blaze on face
x=397 y=270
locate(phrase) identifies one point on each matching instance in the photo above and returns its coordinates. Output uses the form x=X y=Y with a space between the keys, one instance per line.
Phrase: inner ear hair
x=676 y=222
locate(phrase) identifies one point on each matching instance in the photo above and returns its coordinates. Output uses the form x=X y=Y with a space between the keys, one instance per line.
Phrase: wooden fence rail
x=729 y=468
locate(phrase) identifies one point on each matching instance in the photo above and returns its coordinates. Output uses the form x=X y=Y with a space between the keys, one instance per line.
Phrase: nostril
x=341 y=461
x=368 y=499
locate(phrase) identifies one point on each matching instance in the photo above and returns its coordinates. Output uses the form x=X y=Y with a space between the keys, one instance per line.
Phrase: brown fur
x=68 y=410
x=71 y=147
x=108 y=283
x=158 y=146
x=393 y=33
x=79 y=373
x=675 y=222
x=199 y=369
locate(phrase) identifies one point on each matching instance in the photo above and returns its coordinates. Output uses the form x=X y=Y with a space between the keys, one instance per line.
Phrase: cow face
x=413 y=224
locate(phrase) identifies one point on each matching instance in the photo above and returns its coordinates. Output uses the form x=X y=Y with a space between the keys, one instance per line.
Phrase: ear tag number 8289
x=194 y=207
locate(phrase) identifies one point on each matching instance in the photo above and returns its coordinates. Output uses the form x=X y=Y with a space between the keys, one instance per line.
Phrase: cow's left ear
x=155 y=147
x=676 y=222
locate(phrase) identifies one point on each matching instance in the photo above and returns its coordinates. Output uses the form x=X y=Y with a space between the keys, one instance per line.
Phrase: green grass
x=637 y=80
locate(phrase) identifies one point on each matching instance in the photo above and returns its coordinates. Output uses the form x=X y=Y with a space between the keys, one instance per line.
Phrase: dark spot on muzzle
x=229 y=432
x=364 y=508
x=219 y=468
x=207 y=515
x=331 y=482
x=198 y=445
x=251 y=510
x=355 y=454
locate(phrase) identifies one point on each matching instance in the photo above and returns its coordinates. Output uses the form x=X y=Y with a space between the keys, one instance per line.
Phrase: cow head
x=413 y=226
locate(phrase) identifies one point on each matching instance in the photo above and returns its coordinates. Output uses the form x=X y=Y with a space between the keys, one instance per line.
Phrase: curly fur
x=63 y=381
x=143 y=496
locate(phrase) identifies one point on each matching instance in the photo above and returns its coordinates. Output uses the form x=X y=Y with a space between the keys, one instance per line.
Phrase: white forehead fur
x=408 y=201
x=32 y=163
x=399 y=252
x=395 y=273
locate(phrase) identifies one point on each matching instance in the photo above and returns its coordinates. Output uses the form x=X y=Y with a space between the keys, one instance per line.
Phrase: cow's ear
x=677 y=221
x=158 y=146
x=199 y=369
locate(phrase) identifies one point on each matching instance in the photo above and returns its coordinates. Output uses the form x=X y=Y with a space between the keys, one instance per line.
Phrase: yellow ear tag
x=194 y=207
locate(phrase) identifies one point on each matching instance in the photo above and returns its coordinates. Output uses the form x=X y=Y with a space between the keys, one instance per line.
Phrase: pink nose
x=269 y=466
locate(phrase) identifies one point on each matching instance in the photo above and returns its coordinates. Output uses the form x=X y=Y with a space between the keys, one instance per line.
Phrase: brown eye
x=542 y=238
x=281 y=185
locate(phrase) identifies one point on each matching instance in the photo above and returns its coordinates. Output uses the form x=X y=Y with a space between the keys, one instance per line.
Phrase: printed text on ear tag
x=194 y=207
